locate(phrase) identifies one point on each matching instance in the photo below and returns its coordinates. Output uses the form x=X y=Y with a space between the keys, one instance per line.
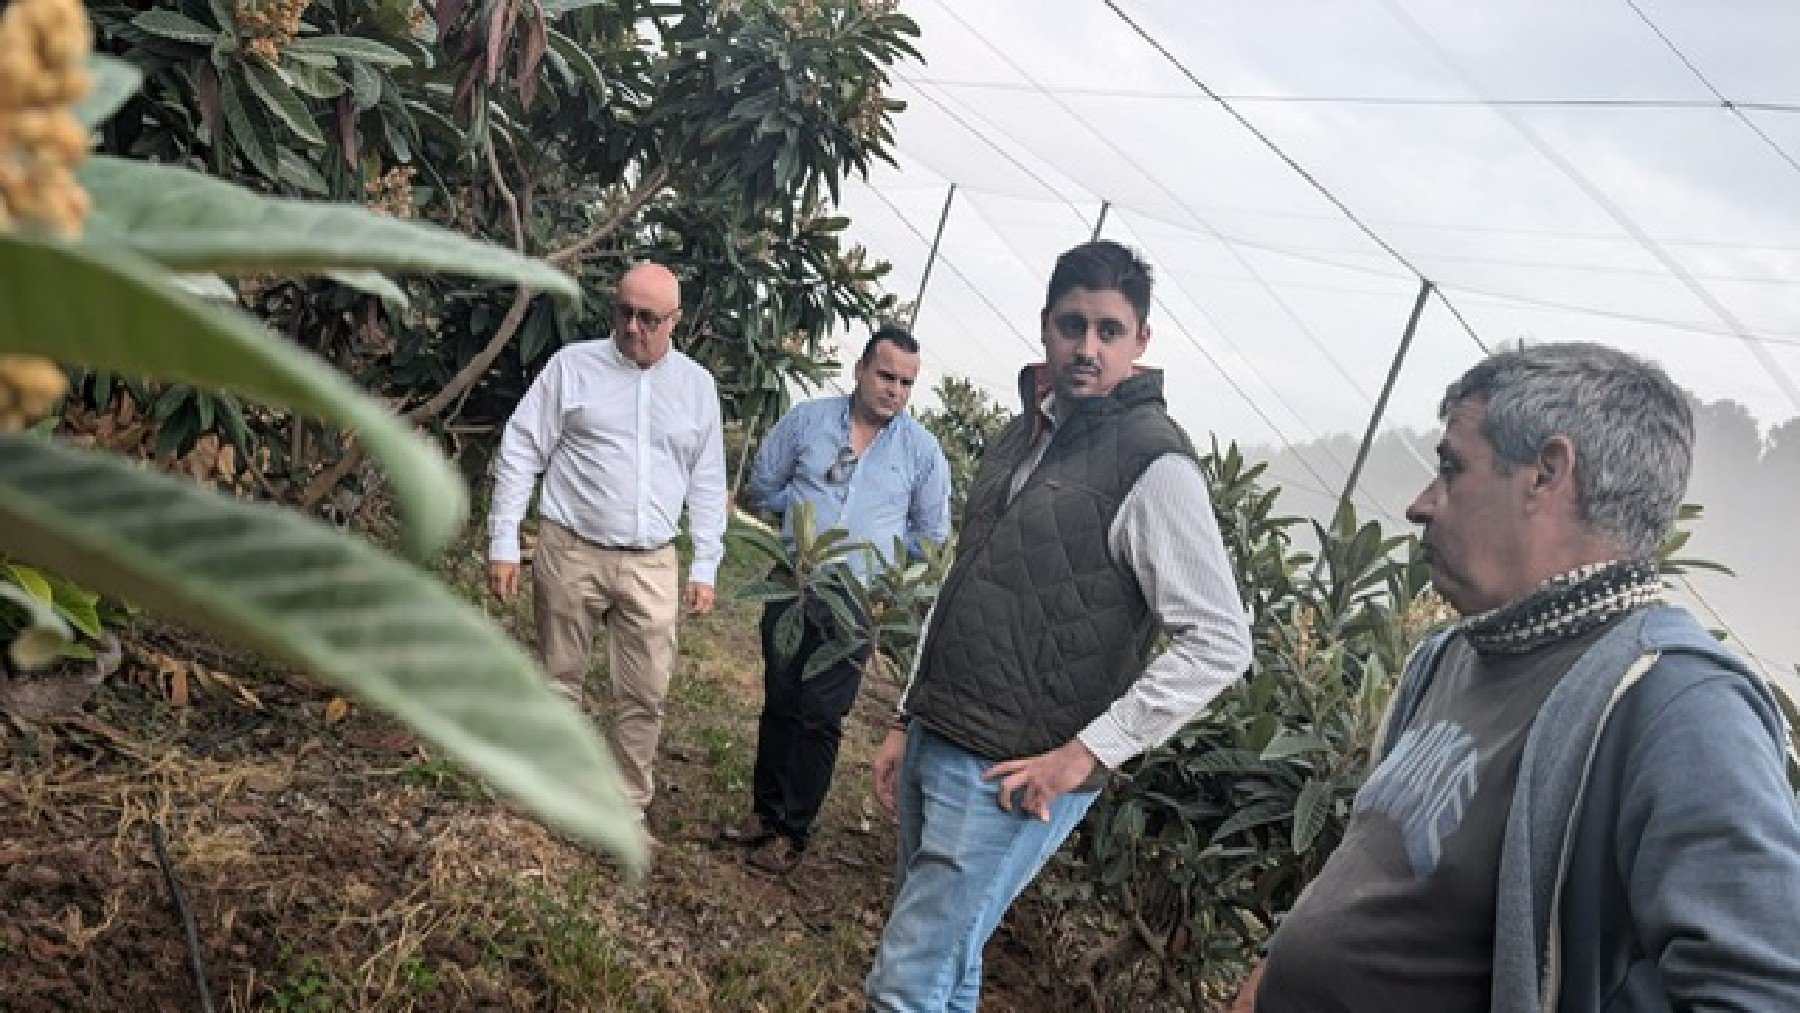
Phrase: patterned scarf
x=1566 y=605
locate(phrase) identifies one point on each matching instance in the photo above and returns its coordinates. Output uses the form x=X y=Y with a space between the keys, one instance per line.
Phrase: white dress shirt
x=620 y=447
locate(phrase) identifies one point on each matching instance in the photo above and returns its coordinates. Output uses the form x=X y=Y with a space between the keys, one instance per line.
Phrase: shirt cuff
x=504 y=548
x=703 y=572
x=1108 y=740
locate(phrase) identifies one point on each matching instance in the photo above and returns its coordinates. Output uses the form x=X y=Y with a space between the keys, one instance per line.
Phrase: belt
x=630 y=548
x=572 y=533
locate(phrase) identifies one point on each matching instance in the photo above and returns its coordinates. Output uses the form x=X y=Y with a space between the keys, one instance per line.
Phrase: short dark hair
x=894 y=334
x=1101 y=266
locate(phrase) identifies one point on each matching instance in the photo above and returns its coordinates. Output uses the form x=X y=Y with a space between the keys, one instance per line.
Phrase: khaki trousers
x=637 y=594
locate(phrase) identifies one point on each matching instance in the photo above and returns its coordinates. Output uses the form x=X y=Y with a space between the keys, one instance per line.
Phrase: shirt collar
x=617 y=358
x=844 y=417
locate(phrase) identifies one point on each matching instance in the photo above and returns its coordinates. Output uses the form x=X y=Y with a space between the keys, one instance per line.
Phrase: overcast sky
x=1556 y=167
x=1671 y=229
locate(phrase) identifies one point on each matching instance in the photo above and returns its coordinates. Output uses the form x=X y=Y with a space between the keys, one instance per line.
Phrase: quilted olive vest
x=1037 y=629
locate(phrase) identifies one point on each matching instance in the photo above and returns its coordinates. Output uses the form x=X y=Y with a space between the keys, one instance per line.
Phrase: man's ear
x=1555 y=466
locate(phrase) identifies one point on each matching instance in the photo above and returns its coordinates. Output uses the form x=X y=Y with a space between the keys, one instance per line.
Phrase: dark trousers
x=797 y=735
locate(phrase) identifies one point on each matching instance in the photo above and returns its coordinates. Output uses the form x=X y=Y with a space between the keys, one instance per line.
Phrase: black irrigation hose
x=195 y=962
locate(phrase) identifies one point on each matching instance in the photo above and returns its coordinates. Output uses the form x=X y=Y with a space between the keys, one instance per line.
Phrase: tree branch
x=634 y=202
x=328 y=479
x=475 y=367
x=472 y=371
x=465 y=377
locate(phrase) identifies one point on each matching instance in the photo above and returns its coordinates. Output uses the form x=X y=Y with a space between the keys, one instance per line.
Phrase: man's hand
x=699 y=599
x=1039 y=780
x=503 y=578
x=887 y=771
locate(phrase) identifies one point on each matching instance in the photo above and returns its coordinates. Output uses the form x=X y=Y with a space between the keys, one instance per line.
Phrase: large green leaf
x=109 y=310
x=1253 y=815
x=114 y=82
x=175 y=26
x=829 y=655
x=298 y=171
x=306 y=595
x=790 y=627
x=371 y=282
x=1292 y=743
x=366 y=50
x=45 y=635
x=557 y=8
x=365 y=85
x=1227 y=761
x=76 y=604
x=316 y=82
x=578 y=59
x=193 y=222
x=248 y=127
x=279 y=97
x=1310 y=809
x=34 y=583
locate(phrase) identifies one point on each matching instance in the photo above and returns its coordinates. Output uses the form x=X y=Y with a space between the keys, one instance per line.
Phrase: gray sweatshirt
x=1652 y=855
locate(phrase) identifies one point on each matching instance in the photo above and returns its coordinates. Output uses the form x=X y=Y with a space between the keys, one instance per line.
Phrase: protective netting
x=1625 y=172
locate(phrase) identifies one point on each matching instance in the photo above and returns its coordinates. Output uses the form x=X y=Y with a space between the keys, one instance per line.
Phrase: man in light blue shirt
x=872 y=470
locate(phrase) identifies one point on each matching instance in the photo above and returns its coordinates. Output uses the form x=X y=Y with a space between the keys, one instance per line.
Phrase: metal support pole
x=1100 y=222
x=1387 y=388
x=924 y=279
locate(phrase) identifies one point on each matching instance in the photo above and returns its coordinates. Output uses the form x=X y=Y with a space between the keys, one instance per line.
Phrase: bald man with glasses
x=870 y=469
x=623 y=431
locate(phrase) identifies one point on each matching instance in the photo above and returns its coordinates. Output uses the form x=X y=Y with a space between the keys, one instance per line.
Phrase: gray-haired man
x=1580 y=801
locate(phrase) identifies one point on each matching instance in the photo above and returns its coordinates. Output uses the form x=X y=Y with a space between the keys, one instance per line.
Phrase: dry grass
x=337 y=865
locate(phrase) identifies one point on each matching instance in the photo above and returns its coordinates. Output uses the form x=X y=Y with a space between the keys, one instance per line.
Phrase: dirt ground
x=331 y=862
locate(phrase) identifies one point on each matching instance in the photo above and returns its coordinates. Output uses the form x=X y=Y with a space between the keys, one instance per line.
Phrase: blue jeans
x=962 y=862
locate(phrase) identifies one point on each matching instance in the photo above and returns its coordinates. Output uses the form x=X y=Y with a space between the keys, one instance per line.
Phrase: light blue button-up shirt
x=900 y=486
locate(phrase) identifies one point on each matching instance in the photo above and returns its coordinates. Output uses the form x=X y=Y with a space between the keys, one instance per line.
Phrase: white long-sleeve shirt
x=620 y=448
x=1166 y=534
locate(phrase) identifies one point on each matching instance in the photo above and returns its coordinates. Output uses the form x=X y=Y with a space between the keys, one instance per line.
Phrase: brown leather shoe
x=752 y=829
x=776 y=857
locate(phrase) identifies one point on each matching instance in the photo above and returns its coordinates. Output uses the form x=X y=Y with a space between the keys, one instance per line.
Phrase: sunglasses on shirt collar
x=840 y=469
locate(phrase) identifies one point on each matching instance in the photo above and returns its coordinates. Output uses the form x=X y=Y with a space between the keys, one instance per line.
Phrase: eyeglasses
x=840 y=470
x=649 y=320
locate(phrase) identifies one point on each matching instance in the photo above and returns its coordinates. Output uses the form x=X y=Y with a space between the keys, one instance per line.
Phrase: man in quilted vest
x=1580 y=800
x=1088 y=532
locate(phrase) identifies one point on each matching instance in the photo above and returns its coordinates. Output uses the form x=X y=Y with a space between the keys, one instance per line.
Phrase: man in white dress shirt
x=623 y=430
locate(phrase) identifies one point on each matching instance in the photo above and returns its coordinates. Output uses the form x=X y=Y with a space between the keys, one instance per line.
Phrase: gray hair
x=1631 y=427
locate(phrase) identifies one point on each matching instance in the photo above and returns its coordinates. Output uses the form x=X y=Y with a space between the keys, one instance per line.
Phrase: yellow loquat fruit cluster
x=29 y=387
x=44 y=46
x=267 y=26
x=392 y=193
